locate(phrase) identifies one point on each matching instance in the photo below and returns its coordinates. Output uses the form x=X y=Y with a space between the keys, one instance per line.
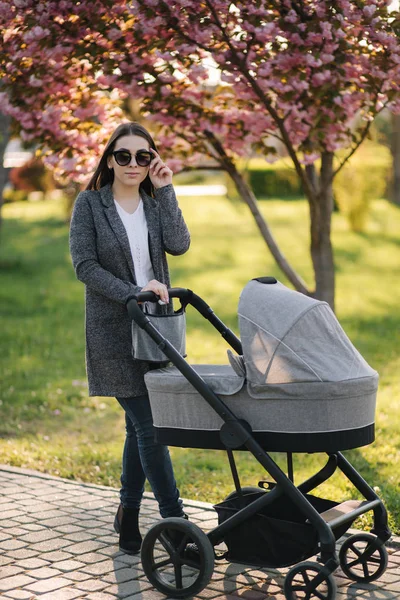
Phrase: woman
x=122 y=225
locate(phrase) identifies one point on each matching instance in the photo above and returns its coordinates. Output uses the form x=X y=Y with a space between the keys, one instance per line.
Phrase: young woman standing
x=122 y=226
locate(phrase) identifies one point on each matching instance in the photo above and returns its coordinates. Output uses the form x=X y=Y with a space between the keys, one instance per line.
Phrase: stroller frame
x=236 y=433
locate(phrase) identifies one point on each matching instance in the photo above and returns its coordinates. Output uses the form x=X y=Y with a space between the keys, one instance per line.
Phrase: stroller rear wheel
x=309 y=581
x=177 y=557
x=363 y=557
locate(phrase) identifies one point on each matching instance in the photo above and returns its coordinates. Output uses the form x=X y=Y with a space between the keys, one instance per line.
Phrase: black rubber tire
x=356 y=561
x=300 y=579
x=249 y=489
x=170 y=565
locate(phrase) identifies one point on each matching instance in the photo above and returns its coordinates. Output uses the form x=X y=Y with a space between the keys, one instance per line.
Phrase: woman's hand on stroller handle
x=159 y=289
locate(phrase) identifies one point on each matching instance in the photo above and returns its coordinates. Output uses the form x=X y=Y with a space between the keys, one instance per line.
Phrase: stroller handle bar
x=152 y=297
x=186 y=297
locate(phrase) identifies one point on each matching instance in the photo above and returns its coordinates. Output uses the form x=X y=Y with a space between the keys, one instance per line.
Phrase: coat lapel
x=117 y=225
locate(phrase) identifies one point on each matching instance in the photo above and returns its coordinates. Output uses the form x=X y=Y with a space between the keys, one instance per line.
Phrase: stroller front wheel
x=309 y=580
x=177 y=557
x=363 y=557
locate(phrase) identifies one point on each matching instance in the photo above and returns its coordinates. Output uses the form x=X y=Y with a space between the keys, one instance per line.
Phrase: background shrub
x=32 y=177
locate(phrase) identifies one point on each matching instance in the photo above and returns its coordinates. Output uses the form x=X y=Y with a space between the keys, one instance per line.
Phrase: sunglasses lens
x=143 y=159
x=123 y=158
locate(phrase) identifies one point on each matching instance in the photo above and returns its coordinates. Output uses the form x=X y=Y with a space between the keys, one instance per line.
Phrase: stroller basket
x=277 y=536
x=172 y=327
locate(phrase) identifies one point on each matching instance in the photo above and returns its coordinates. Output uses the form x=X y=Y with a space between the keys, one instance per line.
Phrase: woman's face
x=132 y=174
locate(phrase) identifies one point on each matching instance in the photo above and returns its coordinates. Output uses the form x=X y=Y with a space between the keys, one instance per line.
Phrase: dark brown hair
x=103 y=174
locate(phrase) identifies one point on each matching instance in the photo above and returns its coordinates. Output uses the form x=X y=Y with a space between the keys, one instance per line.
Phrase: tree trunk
x=4 y=137
x=395 y=191
x=249 y=198
x=321 y=247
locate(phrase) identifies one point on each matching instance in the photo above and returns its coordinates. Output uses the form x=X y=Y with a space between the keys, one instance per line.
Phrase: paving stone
x=56 y=556
x=19 y=595
x=79 y=537
x=8 y=524
x=56 y=521
x=32 y=563
x=126 y=558
x=91 y=585
x=10 y=514
x=22 y=553
x=68 y=565
x=64 y=594
x=101 y=596
x=85 y=547
x=128 y=588
x=68 y=528
x=122 y=575
x=11 y=544
x=33 y=527
x=206 y=593
x=9 y=571
x=48 y=585
x=43 y=573
x=38 y=536
x=49 y=545
x=15 y=581
x=90 y=557
x=77 y=575
x=108 y=539
x=102 y=568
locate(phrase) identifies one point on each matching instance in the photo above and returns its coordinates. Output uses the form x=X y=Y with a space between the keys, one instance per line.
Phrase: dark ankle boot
x=126 y=523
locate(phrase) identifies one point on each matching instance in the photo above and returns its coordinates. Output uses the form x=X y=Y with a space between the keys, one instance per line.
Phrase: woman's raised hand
x=159 y=173
x=158 y=288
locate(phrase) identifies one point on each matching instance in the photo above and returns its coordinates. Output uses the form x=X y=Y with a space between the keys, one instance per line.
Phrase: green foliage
x=12 y=195
x=278 y=180
x=47 y=420
x=363 y=179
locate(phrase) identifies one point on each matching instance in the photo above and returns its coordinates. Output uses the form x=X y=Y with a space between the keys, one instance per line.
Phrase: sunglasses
x=123 y=157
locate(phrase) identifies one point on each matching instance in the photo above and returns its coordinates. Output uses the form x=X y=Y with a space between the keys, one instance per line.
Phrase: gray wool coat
x=102 y=260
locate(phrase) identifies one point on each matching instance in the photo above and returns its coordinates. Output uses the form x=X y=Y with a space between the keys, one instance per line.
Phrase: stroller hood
x=290 y=338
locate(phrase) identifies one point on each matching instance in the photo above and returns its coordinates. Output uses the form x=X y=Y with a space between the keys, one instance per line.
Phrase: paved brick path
x=57 y=543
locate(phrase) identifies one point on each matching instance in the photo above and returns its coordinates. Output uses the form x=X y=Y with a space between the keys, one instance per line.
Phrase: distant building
x=15 y=155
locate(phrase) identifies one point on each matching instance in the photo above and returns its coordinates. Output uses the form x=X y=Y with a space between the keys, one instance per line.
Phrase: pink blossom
x=369 y=10
x=288 y=68
x=291 y=17
x=35 y=82
x=114 y=34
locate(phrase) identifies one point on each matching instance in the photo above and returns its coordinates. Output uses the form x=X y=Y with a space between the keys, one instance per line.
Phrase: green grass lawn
x=49 y=423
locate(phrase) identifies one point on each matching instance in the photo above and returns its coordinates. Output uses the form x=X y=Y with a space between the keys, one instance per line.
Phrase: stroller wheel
x=177 y=557
x=249 y=489
x=363 y=557
x=309 y=581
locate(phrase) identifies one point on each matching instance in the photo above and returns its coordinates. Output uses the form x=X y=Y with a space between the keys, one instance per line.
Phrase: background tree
x=313 y=74
x=395 y=147
x=4 y=138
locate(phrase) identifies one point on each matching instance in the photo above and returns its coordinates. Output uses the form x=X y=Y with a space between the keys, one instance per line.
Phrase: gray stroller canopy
x=290 y=338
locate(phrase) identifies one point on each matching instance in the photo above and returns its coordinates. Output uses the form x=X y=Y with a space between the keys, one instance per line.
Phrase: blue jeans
x=144 y=458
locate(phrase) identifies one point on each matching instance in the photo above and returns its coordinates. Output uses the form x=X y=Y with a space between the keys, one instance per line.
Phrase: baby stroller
x=295 y=384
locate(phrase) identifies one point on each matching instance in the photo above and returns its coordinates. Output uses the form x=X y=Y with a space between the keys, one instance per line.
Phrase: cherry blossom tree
x=312 y=74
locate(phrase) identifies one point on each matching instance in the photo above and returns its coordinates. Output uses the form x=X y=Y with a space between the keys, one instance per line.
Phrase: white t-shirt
x=138 y=236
